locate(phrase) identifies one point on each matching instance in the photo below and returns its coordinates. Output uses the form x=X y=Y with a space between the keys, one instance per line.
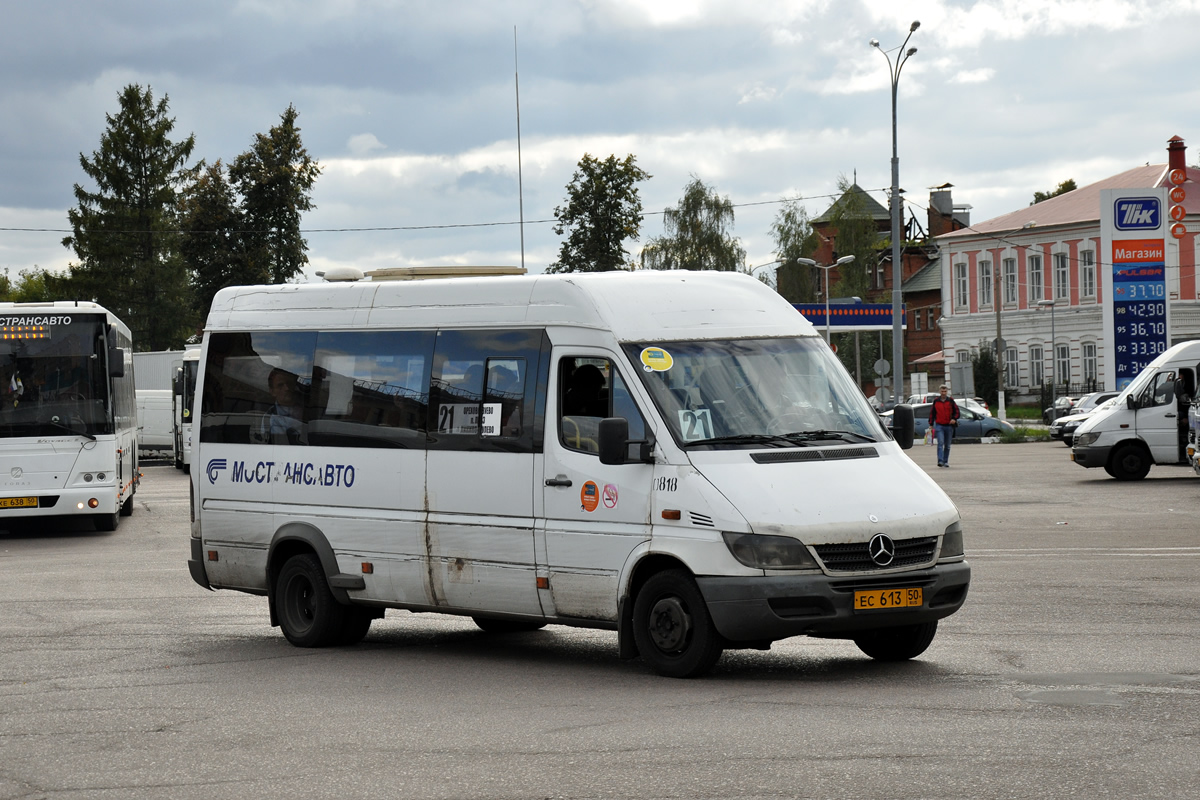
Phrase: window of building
x=1062 y=276
x=1010 y=281
x=1088 y=359
x=1037 y=290
x=985 y=283
x=1011 y=365
x=1087 y=273
x=961 y=286
x=1062 y=359
x=917 y=320
x=1037 y=371
x=962 y=355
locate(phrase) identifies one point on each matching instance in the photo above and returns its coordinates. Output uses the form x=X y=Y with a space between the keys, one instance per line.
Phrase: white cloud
x=364 y=144
x=981 y=75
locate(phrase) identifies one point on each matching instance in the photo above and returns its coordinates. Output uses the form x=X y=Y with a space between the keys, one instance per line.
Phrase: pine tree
x=125 y=232
x=212 y=241
x=275 y=179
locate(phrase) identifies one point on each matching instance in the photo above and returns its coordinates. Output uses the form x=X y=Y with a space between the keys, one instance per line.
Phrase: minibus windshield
x=52 y=382
x=779 y=392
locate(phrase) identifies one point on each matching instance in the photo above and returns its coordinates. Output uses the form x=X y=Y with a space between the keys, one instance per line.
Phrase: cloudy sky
x=410 y=106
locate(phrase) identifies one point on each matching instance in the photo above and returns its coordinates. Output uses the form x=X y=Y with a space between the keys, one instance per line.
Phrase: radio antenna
x=520 y=180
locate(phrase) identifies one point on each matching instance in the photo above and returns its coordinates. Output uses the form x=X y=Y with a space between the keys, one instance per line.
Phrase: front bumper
x=1091 y=456
x=71 y=502
x=757 y=609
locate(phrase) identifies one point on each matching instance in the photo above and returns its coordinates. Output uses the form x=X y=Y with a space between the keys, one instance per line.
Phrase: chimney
x=1176 y=154
x=941 y=210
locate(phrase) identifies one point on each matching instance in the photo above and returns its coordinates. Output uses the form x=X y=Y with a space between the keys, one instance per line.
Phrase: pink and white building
x=1052 y=251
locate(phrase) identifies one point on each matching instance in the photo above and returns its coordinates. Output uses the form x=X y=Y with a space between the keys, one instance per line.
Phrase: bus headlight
x=1085 y=439
x=952 y=541
x=769 y=552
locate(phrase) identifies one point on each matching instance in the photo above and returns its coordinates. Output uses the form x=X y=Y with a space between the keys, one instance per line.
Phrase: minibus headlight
x=1084 y=439
x=952 y=541
x=769 y=552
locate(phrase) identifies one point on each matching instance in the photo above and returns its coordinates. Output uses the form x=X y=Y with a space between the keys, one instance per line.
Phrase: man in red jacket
x=943 y=418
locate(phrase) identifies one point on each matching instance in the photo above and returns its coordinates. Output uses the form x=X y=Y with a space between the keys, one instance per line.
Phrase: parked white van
x=1147 y=423
x=677 y=456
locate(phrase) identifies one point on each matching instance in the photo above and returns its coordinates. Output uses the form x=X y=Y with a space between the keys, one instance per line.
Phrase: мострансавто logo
x=214 y=468
x=1137 y=213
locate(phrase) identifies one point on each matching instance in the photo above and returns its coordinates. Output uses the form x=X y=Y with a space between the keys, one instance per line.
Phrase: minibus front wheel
x=673 y=630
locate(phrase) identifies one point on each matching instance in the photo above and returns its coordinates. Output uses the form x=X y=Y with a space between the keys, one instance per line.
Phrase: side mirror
x=116 y=362
x=902 y=426
x=614 y=440
x=1131 y=403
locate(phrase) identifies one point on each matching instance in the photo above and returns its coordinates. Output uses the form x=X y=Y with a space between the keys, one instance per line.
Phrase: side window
x=1162 y=391
x=483 y=390
x=370 y=389
x=257 y=388
x=589 y=390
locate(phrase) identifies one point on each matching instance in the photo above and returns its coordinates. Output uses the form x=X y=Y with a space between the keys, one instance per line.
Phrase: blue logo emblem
x=214 y=467
x=1137 y=213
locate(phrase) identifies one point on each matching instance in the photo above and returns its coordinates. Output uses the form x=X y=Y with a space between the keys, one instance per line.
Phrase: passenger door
x=1157 y=418
x=480 y=471
x=595 y=514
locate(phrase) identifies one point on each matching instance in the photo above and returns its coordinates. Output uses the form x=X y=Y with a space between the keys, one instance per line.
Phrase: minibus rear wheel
x=897 y=644
x=673 y=630
x=309 y=614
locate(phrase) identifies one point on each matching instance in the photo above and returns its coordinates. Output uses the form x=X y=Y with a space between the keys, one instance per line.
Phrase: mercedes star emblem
x=882 y=549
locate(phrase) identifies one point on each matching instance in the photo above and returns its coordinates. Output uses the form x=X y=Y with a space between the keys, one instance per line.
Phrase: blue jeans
x=944 y=434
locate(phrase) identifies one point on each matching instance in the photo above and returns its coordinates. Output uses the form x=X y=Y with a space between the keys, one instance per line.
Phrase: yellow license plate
x=884 y=599
x=18 y=502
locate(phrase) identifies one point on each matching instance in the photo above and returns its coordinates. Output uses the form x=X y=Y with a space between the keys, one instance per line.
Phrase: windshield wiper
x=748 y=438
x=58 y=424
x=809 y=436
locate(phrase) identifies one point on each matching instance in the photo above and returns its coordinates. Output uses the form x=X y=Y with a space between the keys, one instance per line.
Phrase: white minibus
x=68 y=417
x=183 y=399
x=676 y=456
x=1147 y=423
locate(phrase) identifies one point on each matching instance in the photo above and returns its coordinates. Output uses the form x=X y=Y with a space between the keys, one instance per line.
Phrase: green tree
x=125 y=232
x=1066 y=186
x=212 y=240
x=603 y=209
x=794 y=239
x=697 y=234
x=275 y=179
x=34 y=285
x=983 y=362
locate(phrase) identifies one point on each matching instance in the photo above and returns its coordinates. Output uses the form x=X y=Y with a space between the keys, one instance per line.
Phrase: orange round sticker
x=1179 y=230
x=589 y=496
x=1178 y=195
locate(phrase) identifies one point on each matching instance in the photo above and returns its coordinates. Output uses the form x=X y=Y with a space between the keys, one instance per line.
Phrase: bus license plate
x=888 y=598
x=18 y=502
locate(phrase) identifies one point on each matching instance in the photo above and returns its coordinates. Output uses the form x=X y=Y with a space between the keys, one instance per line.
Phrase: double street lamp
x=808 y=262
x=894 y=68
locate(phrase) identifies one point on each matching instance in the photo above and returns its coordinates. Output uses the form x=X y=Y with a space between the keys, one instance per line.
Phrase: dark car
x=1064 y=427
x=971 y=424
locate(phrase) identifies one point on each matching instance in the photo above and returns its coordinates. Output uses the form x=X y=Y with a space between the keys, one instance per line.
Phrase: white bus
x=183 y=398
x=68 y=418
x=678 y=457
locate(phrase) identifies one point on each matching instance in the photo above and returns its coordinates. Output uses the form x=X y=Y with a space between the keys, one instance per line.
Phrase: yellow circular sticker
x=655 y=359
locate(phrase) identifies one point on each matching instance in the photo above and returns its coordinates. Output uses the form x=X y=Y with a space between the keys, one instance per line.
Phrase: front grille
x=828 y=454
x=856 y=558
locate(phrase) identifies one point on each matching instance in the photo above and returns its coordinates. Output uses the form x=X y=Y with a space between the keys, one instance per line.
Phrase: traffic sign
x=882 y=367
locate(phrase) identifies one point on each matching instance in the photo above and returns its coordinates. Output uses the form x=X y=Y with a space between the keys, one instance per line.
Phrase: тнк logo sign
x=1137 y=213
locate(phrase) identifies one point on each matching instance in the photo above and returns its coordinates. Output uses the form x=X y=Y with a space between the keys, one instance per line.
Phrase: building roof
x=871 y=206
x=1083 y=204
x=927 y=278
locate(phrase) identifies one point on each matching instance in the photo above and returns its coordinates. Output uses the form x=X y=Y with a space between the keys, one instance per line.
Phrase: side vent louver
x=700 y=519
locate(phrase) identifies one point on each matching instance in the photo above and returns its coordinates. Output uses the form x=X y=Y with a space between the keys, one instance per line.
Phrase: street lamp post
x=809 y=262
x=1053 y=361
x=894 y=68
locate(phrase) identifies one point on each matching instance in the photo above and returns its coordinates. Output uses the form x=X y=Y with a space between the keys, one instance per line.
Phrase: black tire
x=897 y=644
x=1129 y=462
x=106 y=522
x=127 y=507
x=308 y=613
x=493 y=625
x=672 y=628
x=358 y=622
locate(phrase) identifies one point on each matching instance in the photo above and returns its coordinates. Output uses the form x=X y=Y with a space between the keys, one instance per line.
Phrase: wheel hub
x=670 y=624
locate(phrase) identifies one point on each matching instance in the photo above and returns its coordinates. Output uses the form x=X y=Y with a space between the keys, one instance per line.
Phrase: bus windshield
x=786 y=392
x=53 y=380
